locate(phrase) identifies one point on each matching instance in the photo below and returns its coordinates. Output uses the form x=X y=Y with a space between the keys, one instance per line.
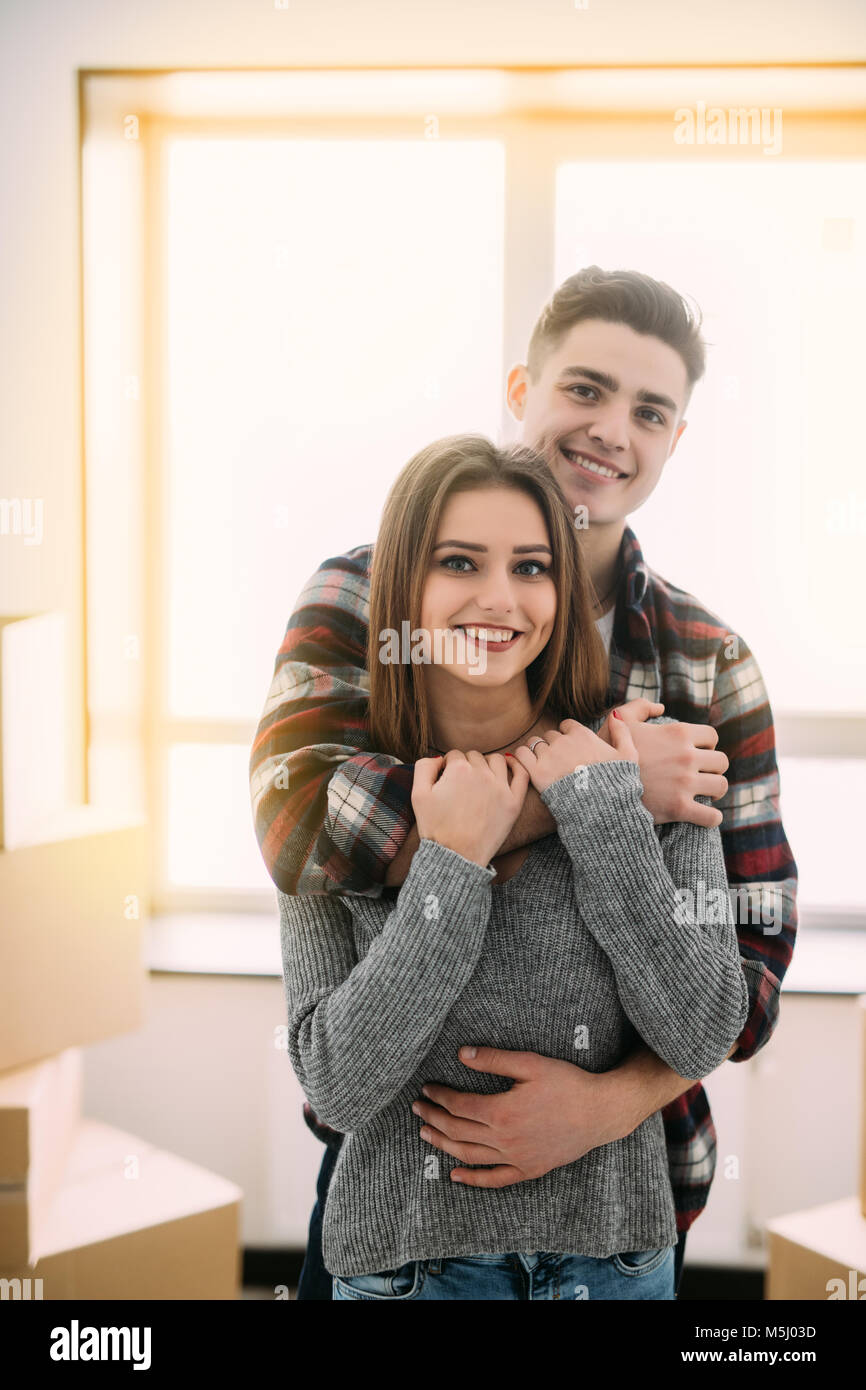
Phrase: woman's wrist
x=595 y=809
x=580 y=775
x=469 y=853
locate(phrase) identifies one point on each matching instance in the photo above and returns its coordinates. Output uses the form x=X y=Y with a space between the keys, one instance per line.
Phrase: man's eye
x=659 y=419
x=583 y=387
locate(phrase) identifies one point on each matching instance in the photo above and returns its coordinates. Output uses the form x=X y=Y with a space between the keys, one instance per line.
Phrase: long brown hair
x=570 y=675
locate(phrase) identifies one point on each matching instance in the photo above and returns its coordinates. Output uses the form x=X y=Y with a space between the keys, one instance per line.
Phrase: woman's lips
x=491 y=646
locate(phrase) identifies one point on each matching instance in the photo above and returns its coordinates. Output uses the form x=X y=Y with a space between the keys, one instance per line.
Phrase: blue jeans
x=316 y=1283
x=637 y=1274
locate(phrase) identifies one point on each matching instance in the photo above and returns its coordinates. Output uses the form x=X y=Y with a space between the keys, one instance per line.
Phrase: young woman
x=573 y=947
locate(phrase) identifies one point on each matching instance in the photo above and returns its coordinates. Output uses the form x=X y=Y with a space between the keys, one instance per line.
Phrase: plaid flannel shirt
x=331 y=812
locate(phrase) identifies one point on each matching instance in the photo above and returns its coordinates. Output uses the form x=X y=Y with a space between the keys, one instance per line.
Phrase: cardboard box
x=818 y=1254
x=40 y=1108
x=71 y=949
x=862 y=1002
x=34 y=722
x=131 y=1221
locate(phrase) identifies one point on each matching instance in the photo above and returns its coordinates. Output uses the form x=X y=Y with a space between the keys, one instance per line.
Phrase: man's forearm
x=645 y=1084
x=399 y=866
x=533 y=823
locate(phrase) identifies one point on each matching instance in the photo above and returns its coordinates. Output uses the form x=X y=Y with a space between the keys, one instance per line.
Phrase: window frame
x=537 y=138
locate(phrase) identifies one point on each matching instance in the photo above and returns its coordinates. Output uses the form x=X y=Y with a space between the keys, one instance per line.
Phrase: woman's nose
x=495 y=596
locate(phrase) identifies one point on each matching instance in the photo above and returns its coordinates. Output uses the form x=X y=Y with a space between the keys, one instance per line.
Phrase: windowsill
x=214 y=943
x=825 y=961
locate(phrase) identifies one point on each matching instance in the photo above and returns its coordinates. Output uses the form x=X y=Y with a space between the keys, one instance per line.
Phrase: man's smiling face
x=606 y=411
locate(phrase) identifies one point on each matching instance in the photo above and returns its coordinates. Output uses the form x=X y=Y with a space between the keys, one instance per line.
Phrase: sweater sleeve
x=359 y=1029
x=658 y=906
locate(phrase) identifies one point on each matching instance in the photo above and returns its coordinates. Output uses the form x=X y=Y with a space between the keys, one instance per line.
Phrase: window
x=755 y=504
x=296 y=274
x=295 y=280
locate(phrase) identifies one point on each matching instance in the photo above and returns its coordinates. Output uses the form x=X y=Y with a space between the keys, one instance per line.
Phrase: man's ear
x=516 y=386
x=680 y=427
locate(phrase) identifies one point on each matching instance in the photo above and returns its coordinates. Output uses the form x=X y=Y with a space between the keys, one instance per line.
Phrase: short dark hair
x=620 y=296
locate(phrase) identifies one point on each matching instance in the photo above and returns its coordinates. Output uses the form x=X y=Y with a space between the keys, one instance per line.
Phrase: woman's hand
x=474 y=803
x=573 y=746
x=634 y=712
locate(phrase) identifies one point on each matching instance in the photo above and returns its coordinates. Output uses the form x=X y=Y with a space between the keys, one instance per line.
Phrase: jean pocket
x=636 y=1263
x=388 y=1284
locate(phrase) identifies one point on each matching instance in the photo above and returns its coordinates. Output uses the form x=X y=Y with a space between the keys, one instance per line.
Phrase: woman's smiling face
x=490 y=569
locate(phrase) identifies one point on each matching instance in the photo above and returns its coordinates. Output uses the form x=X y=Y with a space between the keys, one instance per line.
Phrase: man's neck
x=599 y=546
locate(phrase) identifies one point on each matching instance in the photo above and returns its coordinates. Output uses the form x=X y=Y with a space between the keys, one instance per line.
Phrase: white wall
x=195 y=1080
x=204 y=1080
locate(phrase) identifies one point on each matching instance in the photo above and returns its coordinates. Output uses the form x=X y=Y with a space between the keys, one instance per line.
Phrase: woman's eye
x=535 y=566
x=459 y=559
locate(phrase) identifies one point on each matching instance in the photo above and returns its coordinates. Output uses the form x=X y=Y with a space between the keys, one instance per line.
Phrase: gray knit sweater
x=586 y=950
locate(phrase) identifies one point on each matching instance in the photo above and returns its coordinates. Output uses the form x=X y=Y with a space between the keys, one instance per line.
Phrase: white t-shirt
x=605 y=627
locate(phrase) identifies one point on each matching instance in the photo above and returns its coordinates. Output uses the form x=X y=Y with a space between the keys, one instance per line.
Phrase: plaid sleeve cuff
x=369 y=814
x=764 y=994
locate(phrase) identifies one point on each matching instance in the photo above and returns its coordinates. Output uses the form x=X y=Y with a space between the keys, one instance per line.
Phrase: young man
x=610 y=370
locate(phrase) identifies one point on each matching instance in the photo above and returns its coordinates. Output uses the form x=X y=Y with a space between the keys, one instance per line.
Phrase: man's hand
x=635 y=712
x=553 y=1114
x=677 y=763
